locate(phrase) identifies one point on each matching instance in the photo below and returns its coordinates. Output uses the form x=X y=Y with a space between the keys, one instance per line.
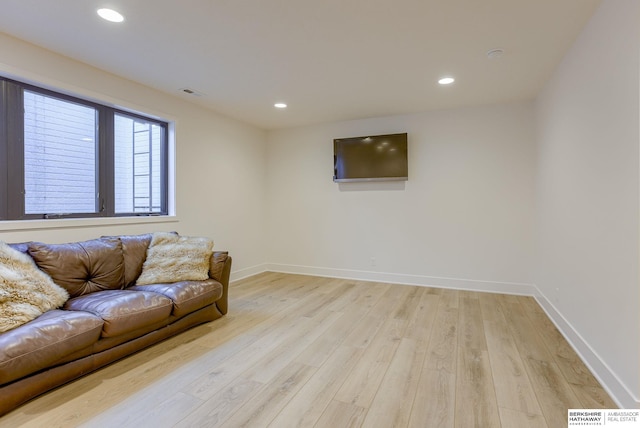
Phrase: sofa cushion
x=25 y=291
x=173 y=258
x=82 y=267
x=187 y=296
x=123 y=310
x=45 y=340
x=134 y=251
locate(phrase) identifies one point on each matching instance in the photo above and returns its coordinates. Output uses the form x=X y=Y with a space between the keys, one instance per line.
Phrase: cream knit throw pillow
x=173 y=258
x=25 y=291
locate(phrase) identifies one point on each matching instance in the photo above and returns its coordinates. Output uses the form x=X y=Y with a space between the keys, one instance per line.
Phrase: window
x=59 y=156
x=68 y=157
x=138 y=166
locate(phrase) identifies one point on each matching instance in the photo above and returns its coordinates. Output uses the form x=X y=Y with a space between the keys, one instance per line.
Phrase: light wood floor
x=305 y=351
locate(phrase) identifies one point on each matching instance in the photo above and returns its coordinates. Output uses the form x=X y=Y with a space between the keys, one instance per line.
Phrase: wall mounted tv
x=371 y=158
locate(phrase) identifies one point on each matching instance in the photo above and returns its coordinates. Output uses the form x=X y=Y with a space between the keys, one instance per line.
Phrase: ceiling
x=329 y=60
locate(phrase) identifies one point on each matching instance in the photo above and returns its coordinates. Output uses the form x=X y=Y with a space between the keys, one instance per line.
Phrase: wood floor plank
x=259 y=320
x=302 y=351
x=217 y=409
x=513 y=387
x=422 y=318
x=476 y=404
x=365 y=330
x=361 y=385
x=392 y=302
x=324 y=346
x=408 y=303
x=585 y=386
x=269 y=401
x=308 y=405
x=392 y=404
x=554 y=394
x=217 y=376
x=343 y=415
x=565 y=357
x=323 y=301
x=434 y=402
x=119 y=383
x=593 y=397
x=450 y=298
x=165 y=413
x=443 y=343
x=370 y=294
x=552 y=390
x=515 y=418
x=346 y=292
x=302 y=335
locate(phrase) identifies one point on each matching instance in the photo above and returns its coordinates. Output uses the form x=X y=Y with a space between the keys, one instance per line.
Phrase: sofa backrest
x=134 y=250
x=69 y=264
x=106 y=263
x=82 y=267
x=23 y=247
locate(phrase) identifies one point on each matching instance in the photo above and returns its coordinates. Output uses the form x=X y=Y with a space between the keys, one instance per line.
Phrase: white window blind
x=59 y=156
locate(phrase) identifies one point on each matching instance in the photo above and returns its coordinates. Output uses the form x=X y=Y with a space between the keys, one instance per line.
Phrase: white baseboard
x=237 y=275
x=607 y=378
x=396 y=278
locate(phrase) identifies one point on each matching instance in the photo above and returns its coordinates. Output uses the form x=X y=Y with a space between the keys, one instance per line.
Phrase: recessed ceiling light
x=110 y=15
x=280 y=105
x=446 y=80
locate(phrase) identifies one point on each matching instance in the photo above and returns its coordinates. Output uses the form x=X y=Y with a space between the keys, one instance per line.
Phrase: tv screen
x=373 y=158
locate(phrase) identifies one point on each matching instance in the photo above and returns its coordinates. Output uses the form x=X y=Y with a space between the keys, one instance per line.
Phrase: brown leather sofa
x=107 y=316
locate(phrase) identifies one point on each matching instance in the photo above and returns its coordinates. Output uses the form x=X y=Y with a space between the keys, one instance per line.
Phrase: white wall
x=588 y=197
x=220 y=162
x=463 y=219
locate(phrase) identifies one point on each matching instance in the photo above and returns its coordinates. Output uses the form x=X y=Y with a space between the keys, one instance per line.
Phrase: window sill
x=64 y=223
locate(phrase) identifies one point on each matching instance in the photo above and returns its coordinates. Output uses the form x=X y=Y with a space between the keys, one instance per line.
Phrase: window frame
x=12 y=182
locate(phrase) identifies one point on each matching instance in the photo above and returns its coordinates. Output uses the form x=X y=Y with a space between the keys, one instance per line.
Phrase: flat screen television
x=371 y=158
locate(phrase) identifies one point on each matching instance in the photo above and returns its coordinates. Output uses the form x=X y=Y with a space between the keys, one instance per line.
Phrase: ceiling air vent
x=190 y=91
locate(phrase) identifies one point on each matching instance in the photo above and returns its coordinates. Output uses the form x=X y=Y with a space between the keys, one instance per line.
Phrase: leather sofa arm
x=220 y=270
x=217 y=263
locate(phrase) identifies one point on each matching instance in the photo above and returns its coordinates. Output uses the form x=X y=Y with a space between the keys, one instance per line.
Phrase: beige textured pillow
x=25 y=291
x=173 y=258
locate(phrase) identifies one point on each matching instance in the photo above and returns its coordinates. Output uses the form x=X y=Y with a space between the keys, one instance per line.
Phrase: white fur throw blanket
x=173 y=258
x=25 y=291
